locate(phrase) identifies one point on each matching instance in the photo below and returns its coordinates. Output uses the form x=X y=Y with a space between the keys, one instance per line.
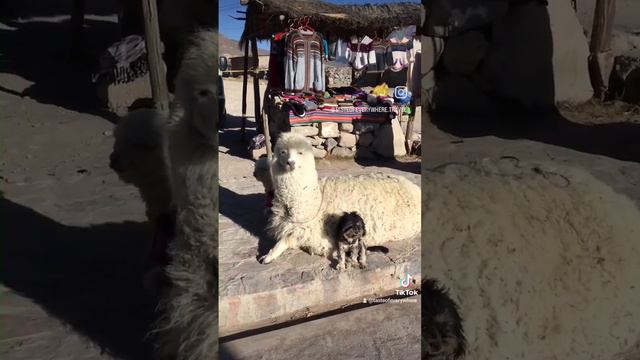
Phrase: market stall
x=343 y=75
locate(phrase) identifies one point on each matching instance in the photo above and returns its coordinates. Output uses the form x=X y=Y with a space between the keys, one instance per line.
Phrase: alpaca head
x=137 y=152
x=293 y=153
x=197 y=85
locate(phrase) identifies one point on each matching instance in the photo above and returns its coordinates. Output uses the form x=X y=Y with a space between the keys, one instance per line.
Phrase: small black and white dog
x=349 y=236
x=442 y=334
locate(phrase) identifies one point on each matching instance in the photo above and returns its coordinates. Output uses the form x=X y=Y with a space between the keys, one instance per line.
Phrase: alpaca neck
x=157 y=197
x=299 y=192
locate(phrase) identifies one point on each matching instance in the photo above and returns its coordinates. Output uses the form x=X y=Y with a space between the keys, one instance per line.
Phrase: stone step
x=295 y=285
x=384 y=331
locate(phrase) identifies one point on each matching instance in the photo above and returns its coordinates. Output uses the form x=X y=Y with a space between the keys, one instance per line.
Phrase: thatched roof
x=341 y=20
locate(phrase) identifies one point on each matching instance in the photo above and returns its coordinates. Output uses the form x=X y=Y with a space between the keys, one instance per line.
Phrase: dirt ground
x=525 y=258
x=74 y=234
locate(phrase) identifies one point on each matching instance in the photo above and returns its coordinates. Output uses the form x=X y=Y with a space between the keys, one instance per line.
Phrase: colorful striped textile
x=318 y=116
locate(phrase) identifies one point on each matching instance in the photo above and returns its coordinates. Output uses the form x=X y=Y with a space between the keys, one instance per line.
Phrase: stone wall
x=360 y=140
x=511 y=52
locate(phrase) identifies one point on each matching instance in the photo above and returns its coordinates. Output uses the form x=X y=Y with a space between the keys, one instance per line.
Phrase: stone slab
x=295 y=285
x=386 y=331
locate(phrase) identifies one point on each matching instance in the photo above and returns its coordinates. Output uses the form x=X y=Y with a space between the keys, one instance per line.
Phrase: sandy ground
x=543 y=262
x=74 y=234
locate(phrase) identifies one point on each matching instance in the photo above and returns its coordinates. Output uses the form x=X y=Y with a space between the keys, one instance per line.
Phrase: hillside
x=230 y=48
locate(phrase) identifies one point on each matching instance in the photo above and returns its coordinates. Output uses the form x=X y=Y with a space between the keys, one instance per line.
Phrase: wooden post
x=256 y=82
x=77 y=27
x=154 y=56
x=245 y=74
x=601 y=55
x=409 y=133
x=267 y=134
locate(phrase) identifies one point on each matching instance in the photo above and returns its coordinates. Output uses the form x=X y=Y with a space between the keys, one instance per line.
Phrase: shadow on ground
x=231 y=136
x=405 y=166
x=248 y=212
x=88 y=277
x=615 y=140
x=40 y=51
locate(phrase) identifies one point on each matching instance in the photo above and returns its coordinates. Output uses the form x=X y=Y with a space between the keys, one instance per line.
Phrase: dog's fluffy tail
x=382 y=249
x=188 y=326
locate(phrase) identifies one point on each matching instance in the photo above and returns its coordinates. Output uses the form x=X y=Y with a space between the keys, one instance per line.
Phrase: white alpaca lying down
x=306 y=210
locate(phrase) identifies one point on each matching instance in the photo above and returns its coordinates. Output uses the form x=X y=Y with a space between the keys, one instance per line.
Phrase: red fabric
x=162 y=236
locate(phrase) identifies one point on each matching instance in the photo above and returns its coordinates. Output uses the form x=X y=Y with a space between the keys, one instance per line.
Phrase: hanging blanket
x=124 y=61
x=318 y=116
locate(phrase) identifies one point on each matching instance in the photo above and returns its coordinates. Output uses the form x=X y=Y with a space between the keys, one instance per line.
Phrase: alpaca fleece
x=188 y=328
x=306 y=209
x=544 y=258
x=139 y=159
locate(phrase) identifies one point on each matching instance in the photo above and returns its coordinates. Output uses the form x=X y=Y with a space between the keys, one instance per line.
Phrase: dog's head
x=293 y=152
x=351 y=227
x=442 y=334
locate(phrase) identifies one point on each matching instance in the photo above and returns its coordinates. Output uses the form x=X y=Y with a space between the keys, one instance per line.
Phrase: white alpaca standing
x=138 y=157
x=306 y=209
x=189 y=325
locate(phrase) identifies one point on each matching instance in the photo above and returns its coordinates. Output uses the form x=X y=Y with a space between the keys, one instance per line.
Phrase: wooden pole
x=601 y=55
x=267 y=134
x=256 y=82
x=409 y=134
x=77 y=27
x=154 y=55
x=245 y=75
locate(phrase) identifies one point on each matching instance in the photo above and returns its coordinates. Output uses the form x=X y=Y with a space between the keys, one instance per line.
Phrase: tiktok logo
x=406 y=281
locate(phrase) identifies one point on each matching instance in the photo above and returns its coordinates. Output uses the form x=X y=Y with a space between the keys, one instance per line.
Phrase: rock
x=626 y=14
x=342 y=152
x=432 y=49
x=330 y=144
x=416 y=147
x=329 y=130
x=256 y=153
x=347 y=139
x=316 y=140
x=538 y=56
x=389 y=140
x=305 y=130
x=364 y=127
x=464 y=52
x=346 y=127
x=624 y=83
x=319 y=153
x=632 y=87
x=446 y=18
x=365 y=139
